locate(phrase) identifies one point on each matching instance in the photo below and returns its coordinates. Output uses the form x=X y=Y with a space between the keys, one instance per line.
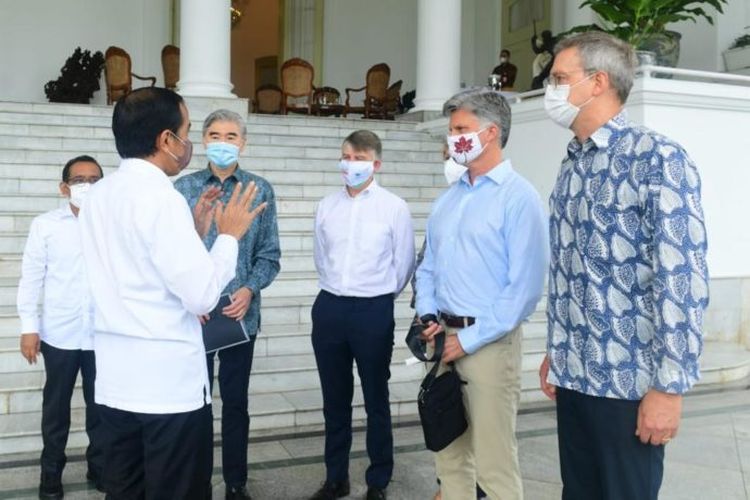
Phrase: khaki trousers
x=487 y=453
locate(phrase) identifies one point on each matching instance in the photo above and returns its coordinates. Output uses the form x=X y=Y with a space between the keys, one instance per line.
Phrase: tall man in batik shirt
x=628 y=279
x=224 y=133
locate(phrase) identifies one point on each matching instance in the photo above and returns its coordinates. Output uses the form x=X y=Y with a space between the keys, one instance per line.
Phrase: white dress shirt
x=364 y=245
x=53 y=262
x=151 y=276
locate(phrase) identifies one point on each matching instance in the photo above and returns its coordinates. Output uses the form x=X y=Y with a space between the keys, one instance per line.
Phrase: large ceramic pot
x=665 y=45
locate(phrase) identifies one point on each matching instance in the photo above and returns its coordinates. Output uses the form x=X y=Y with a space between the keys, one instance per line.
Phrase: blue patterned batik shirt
x=259 y=250
x=628 y=280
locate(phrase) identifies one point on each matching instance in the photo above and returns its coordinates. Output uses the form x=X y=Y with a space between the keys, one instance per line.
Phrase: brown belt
x=457 y=321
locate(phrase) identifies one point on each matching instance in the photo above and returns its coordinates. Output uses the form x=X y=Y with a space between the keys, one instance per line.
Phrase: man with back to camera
x=151 y=277
x=53 y=262
x=628 y=281
x=224 y=133
x=364 y=255
x=482 y=275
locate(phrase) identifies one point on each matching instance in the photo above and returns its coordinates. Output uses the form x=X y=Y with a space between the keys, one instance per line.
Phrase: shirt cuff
x=30 y=324
x=225 y=250
x=469 y=339
x=672 y=379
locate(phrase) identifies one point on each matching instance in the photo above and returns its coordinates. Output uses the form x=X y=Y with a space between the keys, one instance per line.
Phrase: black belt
x=457 y=321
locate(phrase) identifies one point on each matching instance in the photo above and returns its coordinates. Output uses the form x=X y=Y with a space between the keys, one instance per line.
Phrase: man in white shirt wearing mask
x=364 y=255
x=63 y=332
x=151 y=277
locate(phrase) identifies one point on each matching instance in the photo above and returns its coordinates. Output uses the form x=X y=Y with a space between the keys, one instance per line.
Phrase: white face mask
x=503 y=60
x=557 y=106
x=78 y=193
x=465 y=148
x=356 y=173
x=453 y=171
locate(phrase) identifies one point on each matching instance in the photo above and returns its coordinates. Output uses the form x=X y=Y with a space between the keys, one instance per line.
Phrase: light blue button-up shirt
x=486 y=255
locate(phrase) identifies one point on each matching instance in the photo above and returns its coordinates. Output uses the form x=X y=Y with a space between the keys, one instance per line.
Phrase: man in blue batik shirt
x=481 y=276
x=628 y=280
x=224 y=134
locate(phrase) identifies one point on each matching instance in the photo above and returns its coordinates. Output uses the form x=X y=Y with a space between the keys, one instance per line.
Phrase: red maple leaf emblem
x=463 y=146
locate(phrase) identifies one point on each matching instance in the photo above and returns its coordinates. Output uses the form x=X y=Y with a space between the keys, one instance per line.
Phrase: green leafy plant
x=637 y=20
x=79 y=78
x=741 y=41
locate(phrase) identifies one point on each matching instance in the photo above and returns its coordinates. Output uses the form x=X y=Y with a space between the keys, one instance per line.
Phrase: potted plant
x=737 y=57
x=79 y=78
x=642 y=23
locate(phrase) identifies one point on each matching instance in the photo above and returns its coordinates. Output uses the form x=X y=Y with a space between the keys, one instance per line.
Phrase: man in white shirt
x=364 y=255
x=63 y=332
x=151 y=277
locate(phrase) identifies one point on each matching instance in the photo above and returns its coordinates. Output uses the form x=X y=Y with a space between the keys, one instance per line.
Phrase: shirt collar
x=601 y=138
x=67 y=210
x=145 y=169
x=207 y=174
x=365 y=193
x=498 y=174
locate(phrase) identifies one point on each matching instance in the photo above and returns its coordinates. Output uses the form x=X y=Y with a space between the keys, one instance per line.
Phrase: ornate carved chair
x=170 y=63
x=118 y=75
x=268 y=99
x=376 y=86
x=297 y=82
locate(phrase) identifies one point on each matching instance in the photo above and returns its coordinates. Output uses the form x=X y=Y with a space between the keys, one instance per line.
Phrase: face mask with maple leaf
x=465 y=148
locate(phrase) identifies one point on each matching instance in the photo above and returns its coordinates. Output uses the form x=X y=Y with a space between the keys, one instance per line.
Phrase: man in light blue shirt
x=482 y=275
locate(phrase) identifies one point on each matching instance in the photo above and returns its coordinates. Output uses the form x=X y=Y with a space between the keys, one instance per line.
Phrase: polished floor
x=710 y=459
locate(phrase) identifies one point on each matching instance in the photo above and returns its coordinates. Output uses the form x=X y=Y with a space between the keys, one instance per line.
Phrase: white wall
x=37 y=36
x=710 y=120
x=360 y=33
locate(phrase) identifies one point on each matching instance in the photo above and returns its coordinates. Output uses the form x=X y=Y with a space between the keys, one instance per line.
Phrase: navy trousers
x=235 y=364
x=347 y=329
x=62 y=367
x=158 y=456
x=601 y=458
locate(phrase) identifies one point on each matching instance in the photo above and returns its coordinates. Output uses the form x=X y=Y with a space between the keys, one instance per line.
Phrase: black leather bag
x=440 y=401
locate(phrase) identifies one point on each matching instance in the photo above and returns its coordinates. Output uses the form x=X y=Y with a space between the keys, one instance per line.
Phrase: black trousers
x=601 y=458
x=235 y=364
x=347 y=329
x=158 y=457
x=62 y=367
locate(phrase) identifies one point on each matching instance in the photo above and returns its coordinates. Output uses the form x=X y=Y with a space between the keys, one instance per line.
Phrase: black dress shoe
x=375 y=493
x=50 y=487
x=332 y=490
x=237 y=493
x=95 y=480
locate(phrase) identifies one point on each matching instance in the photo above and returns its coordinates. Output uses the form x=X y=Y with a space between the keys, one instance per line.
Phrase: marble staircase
x=298 y=156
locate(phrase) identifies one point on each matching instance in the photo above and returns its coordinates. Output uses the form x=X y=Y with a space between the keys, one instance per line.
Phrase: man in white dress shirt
x=64 y=332
x=364 y=255
x=151 y=277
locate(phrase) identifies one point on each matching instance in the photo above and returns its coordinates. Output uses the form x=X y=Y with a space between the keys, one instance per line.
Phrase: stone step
x=19 y=432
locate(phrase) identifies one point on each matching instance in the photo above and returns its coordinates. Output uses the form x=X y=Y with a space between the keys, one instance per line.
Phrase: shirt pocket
x=615 y=232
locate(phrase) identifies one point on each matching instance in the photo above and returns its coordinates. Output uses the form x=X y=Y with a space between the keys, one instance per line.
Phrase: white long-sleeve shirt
x=151 y=276
x=364 y=245
x=53 y=263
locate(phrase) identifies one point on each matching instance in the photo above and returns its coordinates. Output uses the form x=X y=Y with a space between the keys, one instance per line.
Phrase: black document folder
x=221 y=331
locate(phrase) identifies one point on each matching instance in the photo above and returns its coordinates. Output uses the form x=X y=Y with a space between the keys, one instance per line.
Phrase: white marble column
x=438 y=53
x=205 y=49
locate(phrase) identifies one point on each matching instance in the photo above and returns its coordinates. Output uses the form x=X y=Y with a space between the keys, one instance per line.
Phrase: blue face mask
x=222 y=154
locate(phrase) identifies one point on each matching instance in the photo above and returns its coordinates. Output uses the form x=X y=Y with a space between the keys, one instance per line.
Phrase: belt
x=457 y=321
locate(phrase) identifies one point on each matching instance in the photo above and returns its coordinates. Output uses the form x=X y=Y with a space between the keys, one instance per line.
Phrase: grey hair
x=487 y=105
x=225 y=115
x=601 y=51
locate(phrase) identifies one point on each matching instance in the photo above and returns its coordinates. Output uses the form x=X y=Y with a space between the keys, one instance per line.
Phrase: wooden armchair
x=268 y=99
x=391 y=105
x=170 y=63
x=297 y=81
x=376 y=86
x=118 y=75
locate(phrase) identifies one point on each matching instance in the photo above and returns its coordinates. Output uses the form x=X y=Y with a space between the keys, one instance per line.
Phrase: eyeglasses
x=555 y=81
x=80 y=179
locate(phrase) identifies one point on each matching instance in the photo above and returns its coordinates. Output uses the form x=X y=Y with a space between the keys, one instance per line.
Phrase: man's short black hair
x=140 y=117
x=505 y=51
x=73 y=161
